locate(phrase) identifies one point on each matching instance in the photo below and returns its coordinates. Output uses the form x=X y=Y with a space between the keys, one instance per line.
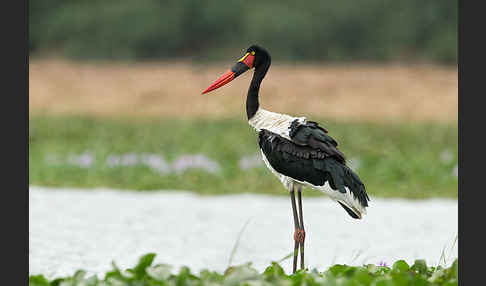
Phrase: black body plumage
x=312 y=157
x=312 y=135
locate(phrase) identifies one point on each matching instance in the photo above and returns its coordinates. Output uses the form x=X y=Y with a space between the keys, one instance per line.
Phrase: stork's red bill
x=244 y=64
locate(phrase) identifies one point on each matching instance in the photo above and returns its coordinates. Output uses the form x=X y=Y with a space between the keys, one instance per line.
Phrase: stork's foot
x=299 y=235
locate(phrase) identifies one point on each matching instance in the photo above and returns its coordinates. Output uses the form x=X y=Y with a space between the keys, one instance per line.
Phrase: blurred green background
x=115 y=91
x=346 y=30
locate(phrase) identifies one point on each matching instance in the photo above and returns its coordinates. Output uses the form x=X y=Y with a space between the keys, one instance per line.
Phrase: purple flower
x=156 y=162
x=197 y=161
x=85 y=160
x=248 y=162
x=129 y=159
x=382 y=263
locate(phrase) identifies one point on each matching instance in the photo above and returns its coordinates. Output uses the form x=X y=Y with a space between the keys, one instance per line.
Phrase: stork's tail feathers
x=352 y=212
x=347 y=188
x=355 y=199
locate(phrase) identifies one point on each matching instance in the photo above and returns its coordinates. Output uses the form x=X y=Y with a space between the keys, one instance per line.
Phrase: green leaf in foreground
x=38 y=280
x=400 y=266
x=144 y=273
x=142 y=265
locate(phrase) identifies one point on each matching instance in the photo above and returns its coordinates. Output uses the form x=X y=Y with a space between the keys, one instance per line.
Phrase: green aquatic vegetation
x=410 y=160
x=145 y=273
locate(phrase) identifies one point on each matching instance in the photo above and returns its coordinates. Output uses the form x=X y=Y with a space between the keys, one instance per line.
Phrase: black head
x=255 y=57
x=261 y=55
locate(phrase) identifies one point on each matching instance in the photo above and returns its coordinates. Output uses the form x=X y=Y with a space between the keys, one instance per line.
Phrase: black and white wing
x=314 y=136
x=312 y=156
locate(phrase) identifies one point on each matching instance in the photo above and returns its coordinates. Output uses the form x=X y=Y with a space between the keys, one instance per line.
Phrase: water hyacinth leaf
x=367 y=275
x=383 y=282
x=377 y=269
x=241 y=273
x=454 y=268
x=437 y=276
x=159 y=272
x=115 y=273
x=363 y=276
x=38 y=280
x=420 y=266
x=211 y=276
x=274 y=270
x=371 y=268
x=338 y=269
x=144 y=262
x=445 y=275
x=129 y=274
x=402 y=278
x=185 y=276
x=112 y=281
x=350 y=271
x=298 y=278
x=419 y=280
x=79 y=276
x=117 y=276
x=57 y=281
x=92 y=281
x=400 y=266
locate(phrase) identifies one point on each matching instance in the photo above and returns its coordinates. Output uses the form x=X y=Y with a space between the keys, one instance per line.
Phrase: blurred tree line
x=345 y=30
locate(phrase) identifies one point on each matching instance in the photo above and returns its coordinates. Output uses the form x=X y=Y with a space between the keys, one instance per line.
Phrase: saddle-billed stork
x=299 y=152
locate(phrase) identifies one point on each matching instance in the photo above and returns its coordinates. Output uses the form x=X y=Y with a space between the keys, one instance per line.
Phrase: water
x=87 y=229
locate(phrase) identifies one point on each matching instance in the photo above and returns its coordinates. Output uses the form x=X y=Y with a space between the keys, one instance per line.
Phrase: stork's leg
x=301 y=230
x=296 y=225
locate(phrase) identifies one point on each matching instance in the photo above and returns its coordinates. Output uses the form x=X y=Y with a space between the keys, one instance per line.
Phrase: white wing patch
x=274 y=122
